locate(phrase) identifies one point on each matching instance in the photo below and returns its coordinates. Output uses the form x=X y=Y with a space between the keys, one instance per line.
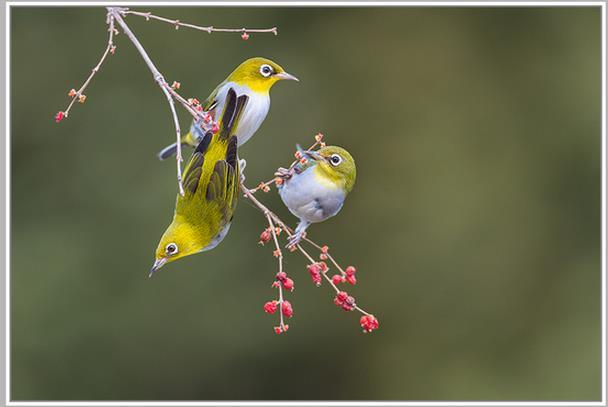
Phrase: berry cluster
x=318 y=271
x=282 y=282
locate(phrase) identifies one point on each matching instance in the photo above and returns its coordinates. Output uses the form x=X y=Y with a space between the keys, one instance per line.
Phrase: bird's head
x=335 y=164
x=259 y=74
x=179 y=240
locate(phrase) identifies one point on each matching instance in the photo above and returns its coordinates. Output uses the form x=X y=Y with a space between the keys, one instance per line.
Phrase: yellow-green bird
x=211 y=186
x=252 y=78
x=315 y=190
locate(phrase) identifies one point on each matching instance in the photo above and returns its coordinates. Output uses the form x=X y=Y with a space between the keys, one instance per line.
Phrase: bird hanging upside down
x=211 y=186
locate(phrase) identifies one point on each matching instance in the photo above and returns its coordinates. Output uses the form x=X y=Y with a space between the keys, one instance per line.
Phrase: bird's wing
x=194 y=169
x=216 y=156
x=301 y=167
x=223 y=187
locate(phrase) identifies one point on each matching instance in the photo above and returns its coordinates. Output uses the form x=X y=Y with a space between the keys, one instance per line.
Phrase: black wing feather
x=193 y=171
x=227 y=115
x=231 y=152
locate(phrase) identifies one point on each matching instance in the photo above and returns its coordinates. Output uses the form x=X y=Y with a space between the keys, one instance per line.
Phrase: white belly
x=310 y=200
x=254 y=114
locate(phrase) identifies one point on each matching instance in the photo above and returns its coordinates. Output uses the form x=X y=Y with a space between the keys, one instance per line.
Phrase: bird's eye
x=335 y=159
x=266 y=70
x=171 y=249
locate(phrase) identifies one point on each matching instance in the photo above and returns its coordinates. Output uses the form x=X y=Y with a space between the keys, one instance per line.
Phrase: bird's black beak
x=157 y=265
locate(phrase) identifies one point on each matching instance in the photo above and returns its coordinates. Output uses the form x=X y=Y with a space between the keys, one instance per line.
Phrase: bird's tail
x=168 y=151
x=188 y=139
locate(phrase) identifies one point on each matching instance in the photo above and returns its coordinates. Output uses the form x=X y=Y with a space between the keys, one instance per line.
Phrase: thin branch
x=78 y=95
x=210 y=29
x=160 y=79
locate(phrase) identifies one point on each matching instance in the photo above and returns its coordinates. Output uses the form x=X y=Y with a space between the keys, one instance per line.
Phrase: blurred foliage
x=474 y=224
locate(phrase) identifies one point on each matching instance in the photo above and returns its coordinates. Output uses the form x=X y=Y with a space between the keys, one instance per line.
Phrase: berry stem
x=329 y=256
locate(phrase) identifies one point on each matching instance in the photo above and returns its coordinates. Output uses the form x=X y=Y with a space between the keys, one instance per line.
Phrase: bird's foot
x=295 y=240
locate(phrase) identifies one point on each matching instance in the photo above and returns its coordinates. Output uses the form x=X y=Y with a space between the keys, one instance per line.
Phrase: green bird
x=254 y=78
x=316 y=189
x=211 y=187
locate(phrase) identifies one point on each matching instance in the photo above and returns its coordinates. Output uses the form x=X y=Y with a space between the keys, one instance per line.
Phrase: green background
x=474 y=223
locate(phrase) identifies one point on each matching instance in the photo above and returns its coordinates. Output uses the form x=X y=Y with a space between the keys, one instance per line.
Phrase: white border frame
x=10 y=4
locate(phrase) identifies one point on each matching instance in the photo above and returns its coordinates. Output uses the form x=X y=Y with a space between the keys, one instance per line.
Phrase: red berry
x=340 y=298
x=288 y=284
x=265 y=237
x=313 y=268
x=59 y=117
x=337 y=279
x=351 y=279
x=350 y=270
x=281 y=276
x=323 y=266
x=276 y=284
x=277 y=330
x=270 y=307
x=324 y=249
x=215 y=128
x=287 y=309
x=369 y=323
x=315 y=273
x=245 y=36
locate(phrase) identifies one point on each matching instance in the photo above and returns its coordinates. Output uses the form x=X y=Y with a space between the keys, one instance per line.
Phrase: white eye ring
x=266 y=70
x=171 y=249
x=335 y=159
